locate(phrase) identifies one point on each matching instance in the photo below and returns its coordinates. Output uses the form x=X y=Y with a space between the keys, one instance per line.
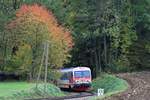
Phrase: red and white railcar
x=78 y=78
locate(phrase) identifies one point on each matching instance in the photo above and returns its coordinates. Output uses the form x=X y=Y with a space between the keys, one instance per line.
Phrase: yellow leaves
x=40 y=14
x=34 y=25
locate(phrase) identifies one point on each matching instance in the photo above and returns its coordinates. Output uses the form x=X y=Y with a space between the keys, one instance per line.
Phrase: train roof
x=74 y=69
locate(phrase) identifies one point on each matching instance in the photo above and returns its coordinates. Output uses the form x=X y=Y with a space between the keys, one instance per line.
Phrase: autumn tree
x=34 y=25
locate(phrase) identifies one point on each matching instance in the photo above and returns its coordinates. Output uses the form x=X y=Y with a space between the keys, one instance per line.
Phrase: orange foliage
x=41 y=14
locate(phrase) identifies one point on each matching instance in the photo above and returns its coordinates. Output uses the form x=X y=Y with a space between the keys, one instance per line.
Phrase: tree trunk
x=105 y=50
x=96 y=62
x=99 y=60
x=30 y=77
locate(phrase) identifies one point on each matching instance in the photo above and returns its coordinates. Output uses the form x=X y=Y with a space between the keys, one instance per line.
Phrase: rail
x=77 y=95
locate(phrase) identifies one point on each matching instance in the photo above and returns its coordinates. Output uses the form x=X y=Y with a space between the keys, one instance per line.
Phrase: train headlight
x=88 y=81
x=77 y=81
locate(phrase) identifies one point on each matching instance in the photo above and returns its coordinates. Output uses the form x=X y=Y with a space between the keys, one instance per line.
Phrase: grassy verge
x=23 y=90
x=110 y=84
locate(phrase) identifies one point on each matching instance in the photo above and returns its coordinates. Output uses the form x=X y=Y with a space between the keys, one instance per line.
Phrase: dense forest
x=105 y=35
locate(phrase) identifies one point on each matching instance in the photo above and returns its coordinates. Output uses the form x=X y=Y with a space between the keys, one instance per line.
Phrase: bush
x=120 y=65
x=109 y=83
x=39 y=92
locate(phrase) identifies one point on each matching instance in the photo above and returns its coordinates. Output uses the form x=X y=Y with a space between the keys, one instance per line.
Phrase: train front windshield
x=82 y=74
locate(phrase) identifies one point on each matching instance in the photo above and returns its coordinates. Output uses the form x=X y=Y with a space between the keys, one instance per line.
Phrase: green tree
x=33 y=26
x=139 y=53
x=104 y=31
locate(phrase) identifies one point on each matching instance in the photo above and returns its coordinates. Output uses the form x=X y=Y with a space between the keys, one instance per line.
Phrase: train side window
x=64 y=76
x=70 y=75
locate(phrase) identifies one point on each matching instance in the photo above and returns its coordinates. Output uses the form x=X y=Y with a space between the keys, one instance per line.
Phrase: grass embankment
x=24 y=90
x=111 y=85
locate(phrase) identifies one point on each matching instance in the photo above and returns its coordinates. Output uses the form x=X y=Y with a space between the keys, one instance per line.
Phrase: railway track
x=71 y=96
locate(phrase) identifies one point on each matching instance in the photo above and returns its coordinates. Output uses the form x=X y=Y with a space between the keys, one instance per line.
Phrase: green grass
x=8 y=88
x=110 y=84
x=22 y=90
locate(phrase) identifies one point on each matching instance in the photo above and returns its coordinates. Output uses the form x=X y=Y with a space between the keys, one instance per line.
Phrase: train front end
x=82 y=79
